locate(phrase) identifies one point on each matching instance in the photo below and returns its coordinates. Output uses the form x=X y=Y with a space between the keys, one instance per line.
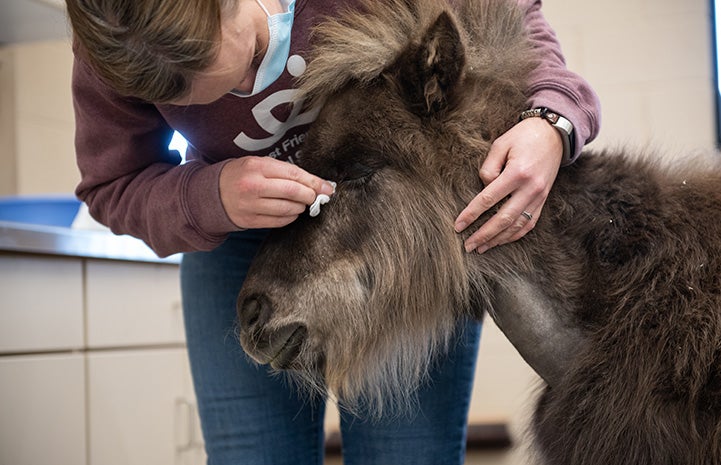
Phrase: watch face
x=551 y=116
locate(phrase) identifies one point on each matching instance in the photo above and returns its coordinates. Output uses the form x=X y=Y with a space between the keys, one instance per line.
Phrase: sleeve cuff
x=203 y=206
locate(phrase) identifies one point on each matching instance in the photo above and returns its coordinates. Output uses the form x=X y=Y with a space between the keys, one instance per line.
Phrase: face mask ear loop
x=264 y=8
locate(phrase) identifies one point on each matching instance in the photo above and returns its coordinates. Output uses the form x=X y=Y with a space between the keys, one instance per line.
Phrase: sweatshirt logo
x=276 y=129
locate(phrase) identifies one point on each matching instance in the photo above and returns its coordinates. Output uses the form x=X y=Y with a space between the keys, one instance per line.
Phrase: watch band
x=562 y=125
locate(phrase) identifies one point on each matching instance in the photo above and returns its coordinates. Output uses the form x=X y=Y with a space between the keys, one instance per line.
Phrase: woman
x=222 y=73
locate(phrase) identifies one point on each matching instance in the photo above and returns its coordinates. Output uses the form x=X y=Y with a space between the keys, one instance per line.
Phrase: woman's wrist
x=561 y=124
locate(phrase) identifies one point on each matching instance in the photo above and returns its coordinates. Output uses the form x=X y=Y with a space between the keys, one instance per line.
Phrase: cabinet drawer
x=141 y=408
x=41 y=303
x=133 y=304
x=42 y=410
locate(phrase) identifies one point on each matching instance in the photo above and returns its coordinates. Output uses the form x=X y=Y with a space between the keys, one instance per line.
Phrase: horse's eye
x=356 y=163
x=357 y=171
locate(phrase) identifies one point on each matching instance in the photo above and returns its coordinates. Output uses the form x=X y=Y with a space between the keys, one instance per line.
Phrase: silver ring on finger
x=528 y=216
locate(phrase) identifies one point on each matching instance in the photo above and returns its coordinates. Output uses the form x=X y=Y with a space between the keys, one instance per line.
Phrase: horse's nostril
x=254 y=311
x=250 y=311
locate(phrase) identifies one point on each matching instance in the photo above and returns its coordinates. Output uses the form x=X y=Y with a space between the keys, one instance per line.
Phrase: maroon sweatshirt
x=134 y=184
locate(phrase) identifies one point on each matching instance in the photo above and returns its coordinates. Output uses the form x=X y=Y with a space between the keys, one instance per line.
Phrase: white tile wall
x=43 y=123
x=8 y=164
x=650 y=61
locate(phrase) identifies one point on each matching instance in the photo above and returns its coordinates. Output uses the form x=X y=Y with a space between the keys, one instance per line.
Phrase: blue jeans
x=251 y=417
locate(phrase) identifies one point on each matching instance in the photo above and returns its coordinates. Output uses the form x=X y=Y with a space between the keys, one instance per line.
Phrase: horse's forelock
x=416 y=293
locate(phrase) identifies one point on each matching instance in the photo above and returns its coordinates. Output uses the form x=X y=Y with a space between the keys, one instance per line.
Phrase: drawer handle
x=186 y=425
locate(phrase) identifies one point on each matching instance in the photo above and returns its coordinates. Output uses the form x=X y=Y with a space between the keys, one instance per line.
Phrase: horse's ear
x=428 y=71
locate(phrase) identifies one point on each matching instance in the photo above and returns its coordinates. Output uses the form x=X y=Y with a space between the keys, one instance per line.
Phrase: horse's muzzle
x=279 y=346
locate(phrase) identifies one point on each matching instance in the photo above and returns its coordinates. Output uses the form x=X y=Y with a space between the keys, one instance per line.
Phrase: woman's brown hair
x=150 y=49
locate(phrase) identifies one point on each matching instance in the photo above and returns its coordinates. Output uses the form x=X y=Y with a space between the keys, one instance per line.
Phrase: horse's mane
x=360 y=43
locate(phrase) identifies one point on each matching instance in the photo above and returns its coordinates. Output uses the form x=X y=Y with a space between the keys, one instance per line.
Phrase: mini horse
x=614 y=298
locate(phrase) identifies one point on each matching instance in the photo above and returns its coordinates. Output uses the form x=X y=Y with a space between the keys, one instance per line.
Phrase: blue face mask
x=276 y=56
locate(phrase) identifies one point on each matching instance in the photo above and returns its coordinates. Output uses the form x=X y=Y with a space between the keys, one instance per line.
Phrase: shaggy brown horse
x=614 y=298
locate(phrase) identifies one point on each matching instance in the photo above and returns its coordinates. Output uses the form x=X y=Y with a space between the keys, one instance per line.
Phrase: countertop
x=53 y=240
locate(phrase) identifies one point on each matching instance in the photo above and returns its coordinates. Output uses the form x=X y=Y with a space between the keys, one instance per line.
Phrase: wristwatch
x=562 y=125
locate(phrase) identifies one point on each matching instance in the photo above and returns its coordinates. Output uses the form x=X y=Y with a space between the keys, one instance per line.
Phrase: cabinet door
x=42 y=410
x=132 y=304
x=41 y=303
x=141 y=409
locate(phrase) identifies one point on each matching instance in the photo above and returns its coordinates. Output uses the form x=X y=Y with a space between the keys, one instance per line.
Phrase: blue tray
x=45 y=210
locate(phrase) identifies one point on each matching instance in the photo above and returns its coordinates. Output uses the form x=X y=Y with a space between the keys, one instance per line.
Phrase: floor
x=500 y=457
x=489 y=458
x=473 y=458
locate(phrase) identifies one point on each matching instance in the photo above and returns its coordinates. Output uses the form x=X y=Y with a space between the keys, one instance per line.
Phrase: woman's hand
x=262 y=192
x=523 y=163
